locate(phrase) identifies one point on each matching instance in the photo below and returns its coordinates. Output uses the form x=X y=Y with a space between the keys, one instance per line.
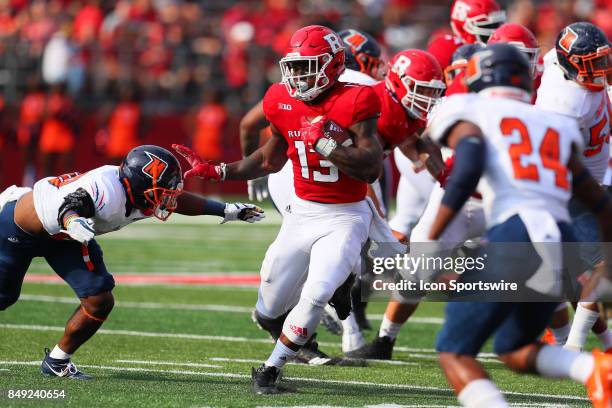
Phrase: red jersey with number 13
x=315 y=178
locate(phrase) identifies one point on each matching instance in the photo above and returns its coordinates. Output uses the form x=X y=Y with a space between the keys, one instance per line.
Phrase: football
x=335 y=131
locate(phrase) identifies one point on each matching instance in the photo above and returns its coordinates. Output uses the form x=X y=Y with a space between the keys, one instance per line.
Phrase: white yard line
x=256 y=361
x=189 y=336
x=304 y=379
x=184 y=306
x=170 y=363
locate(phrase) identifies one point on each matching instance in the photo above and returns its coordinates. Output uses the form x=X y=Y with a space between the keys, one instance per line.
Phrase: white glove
x=243 y=212
x=258 y=188
x=81 y=229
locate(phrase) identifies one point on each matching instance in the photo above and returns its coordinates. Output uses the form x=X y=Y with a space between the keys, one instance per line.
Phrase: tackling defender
x=60 y=217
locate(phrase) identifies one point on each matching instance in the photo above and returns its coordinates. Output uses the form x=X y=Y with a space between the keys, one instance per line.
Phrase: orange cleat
x=548 y=337
x=599 y=384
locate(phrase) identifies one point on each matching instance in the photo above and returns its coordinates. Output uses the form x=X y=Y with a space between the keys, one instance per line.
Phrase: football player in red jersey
x=400 y=307
x=442 y=47
x=476 y=20
x=328 y=220
x=522 y=38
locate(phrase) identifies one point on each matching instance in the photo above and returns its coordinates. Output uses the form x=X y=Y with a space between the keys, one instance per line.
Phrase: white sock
x=561 y=334
x=59 y=354
x=557 y=362
x=605 y=338
x=389 y=329
x=352 y=338
x=280 y=355
x=584 y=319
x=352 y=341
x=481 y=393
x=349 y=325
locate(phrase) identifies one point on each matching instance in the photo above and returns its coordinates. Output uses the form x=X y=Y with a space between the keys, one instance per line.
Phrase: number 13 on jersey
x=317 y=175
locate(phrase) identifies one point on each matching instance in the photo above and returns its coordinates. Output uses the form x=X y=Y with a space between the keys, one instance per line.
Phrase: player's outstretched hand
x=258 y=188
x=312 y=130
x=80 y=229
x=199 y=167
x=243 y=212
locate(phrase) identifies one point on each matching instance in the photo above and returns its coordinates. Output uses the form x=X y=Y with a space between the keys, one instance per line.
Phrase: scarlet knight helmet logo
x=568 y=39
x=155 y=168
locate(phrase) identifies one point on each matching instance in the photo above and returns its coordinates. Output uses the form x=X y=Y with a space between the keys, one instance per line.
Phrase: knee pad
x=272 y=326
x=302 y=321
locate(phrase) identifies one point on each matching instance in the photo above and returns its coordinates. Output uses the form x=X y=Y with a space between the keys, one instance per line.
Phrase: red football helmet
x=521 y=37
x=443 y=47
x=415 y=79
x=475 y=20
x=313 y=62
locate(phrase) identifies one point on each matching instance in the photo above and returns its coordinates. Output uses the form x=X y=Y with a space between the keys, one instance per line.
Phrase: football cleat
x=309 y=353
x=265 y=380
x=380 y=349
x=599 y=384
x=330 y=321
x=54 y=367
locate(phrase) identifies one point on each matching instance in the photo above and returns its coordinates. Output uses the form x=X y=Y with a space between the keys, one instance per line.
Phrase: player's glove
x=258 y=188
x=80 y=229
x=314 y=136
x=243 y=212
x=200 y=167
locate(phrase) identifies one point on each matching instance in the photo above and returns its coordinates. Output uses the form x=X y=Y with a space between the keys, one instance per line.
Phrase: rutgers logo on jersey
x=568 y=39
x=155 y=168
x=334 y=42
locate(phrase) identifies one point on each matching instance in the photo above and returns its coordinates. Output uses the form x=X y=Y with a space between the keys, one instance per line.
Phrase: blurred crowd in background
x=82 y=82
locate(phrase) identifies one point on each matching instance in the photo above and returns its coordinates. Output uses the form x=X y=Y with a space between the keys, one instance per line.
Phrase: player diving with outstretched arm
x=60 y=218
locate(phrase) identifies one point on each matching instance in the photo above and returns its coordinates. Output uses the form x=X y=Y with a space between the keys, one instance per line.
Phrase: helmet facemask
x=421 y=96
x=372 y=66
x=304 y=76
x=594 y=69
x=163 y=201
x=454 y=69
x=483 y=25
x=532 y=55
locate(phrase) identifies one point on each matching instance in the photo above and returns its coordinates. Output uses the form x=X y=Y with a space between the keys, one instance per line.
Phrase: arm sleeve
x=366 y=105
x=469 y=164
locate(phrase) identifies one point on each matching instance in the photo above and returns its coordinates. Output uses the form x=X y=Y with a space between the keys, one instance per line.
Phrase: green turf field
x=194 y=346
